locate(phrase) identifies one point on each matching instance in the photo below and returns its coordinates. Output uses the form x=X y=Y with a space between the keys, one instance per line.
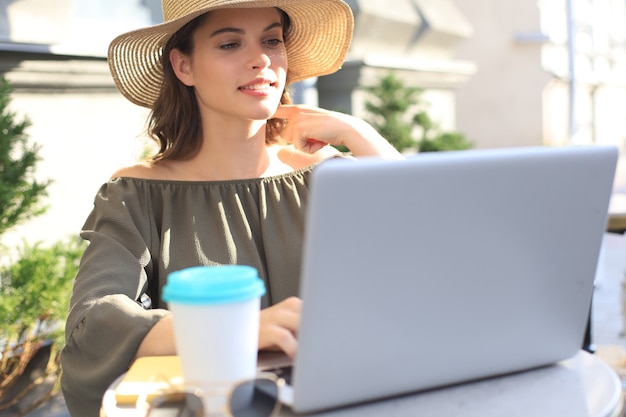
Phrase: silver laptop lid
x=446 y=267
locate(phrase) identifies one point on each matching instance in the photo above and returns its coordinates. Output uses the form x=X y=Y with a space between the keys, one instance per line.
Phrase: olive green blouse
x=139 y=231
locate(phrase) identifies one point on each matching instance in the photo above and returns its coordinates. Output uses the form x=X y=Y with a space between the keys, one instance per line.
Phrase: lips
x=258 y=85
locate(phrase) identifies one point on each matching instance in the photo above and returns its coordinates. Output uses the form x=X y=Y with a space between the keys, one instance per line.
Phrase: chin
x=265 y=114
x=261 y=111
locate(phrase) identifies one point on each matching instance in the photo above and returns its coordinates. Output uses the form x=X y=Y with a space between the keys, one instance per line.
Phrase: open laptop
x=445 y=268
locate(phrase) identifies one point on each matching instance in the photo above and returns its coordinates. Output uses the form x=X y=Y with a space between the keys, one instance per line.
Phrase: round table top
x=580 y=386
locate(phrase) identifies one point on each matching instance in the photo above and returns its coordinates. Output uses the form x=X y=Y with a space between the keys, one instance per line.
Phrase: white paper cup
x=215 y=311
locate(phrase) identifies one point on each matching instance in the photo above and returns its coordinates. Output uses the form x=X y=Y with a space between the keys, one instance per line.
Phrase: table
x=617 y=214
x=580 y=386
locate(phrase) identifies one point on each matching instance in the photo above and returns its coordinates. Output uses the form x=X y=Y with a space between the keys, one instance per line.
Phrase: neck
x=231 y=152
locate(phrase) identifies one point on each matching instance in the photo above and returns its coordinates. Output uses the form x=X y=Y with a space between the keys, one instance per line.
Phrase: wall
x=501 y=104
x=54 y=54
x=84 y=138
x=526 y=91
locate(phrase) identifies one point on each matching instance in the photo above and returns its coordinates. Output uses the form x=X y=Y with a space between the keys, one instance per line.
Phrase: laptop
x=445 y=268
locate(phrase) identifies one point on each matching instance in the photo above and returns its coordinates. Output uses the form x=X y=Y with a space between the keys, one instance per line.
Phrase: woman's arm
x=159 y=341
x=310 y=129
x=277 y=330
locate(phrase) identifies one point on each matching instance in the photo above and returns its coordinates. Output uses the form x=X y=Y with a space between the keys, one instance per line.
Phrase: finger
x=292 y=303
x=310 y=145
x=279 y=326
x=278 y=338
x=303 y=133
x=289 y=320
x=288 y=343
x=285 y=314
x=315 y=142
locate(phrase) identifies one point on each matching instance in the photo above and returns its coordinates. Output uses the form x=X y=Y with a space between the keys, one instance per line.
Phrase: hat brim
x=318 y=41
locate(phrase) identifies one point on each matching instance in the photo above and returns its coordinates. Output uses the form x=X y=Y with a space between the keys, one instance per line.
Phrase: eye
x=230 y=45
x=274 y=42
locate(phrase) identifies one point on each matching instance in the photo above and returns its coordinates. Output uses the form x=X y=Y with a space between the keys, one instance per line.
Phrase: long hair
x=174 y=122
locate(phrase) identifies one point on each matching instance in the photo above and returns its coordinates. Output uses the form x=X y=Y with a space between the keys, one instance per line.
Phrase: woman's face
x=238 y=66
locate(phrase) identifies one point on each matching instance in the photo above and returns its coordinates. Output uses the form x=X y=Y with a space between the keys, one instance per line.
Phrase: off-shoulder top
x=139 y=231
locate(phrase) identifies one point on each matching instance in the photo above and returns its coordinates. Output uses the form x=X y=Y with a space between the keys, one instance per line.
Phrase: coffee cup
x=215 y=313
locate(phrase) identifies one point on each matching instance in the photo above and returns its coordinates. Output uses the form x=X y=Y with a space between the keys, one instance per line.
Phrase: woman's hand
x=310 y=129
x=279 y=326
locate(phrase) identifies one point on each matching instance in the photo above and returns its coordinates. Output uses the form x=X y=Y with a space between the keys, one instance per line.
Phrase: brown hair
x=174 y=122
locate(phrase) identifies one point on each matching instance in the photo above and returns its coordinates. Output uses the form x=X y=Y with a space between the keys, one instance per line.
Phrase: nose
x=259 y=59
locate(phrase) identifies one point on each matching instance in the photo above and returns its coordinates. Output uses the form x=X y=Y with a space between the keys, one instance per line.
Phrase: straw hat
x=317 y=42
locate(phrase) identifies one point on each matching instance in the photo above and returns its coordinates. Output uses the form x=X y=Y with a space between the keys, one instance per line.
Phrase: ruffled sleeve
x=105 y=324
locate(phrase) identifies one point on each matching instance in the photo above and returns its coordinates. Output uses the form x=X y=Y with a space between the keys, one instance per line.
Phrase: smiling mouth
x=258 y=87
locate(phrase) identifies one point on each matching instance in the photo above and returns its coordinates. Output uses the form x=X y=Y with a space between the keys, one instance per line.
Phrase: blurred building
x=414 y=39
x=54 y=54
x=548 y=72
x=505 y=73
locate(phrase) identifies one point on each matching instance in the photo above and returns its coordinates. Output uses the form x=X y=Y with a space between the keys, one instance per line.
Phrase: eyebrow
x=241 y=31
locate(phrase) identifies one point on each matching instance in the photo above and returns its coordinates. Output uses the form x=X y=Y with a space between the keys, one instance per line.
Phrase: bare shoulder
x=143 y=170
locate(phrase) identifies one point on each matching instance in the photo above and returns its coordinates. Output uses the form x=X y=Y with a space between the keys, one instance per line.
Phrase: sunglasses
x=256 y=397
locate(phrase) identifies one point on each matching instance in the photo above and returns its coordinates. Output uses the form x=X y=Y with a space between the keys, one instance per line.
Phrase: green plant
x=35 y=281
x=35 y=291
x=398 y=111
x=20 y=193
x=446 y=141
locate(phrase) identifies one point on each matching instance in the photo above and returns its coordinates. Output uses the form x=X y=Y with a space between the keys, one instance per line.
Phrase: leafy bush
x=35 y=287
x=398 y=111
x=446 y=141
x=35 y=290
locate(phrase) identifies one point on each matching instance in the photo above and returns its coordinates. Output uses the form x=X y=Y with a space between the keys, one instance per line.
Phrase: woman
x=228 y=184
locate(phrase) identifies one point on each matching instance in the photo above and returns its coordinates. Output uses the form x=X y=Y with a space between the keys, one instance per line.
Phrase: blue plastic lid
x=213 y=285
